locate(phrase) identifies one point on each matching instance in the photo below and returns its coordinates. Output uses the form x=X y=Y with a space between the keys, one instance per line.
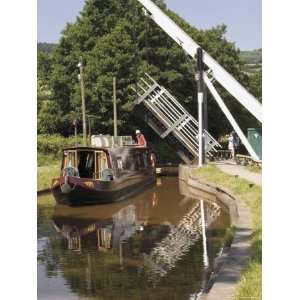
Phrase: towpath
x=230 y=167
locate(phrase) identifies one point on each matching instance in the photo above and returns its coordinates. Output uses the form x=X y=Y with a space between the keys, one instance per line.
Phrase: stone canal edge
x=229 y=265
x=43 y=191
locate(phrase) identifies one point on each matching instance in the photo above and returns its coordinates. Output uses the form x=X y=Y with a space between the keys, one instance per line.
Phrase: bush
x=52 y=145
x=49 y=149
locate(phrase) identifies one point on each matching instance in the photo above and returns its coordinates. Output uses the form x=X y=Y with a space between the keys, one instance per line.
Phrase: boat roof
x=92 y=148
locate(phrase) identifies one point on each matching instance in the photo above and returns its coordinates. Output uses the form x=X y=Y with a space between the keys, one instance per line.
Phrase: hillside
x=45 y=47
x=249 y=57
x=253 y=57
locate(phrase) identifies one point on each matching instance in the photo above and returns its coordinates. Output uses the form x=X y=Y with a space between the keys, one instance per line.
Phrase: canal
x=153 y=246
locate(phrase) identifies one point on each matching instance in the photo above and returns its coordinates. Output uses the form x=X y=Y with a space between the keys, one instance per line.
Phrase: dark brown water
x=149 y=247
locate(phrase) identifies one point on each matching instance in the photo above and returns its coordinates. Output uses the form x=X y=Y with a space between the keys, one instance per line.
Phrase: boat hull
x=88 y=192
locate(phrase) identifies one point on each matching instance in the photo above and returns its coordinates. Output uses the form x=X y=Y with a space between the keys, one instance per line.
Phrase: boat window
x=65 y=160
x=130 y=163
x=136 y=160
x=70 y=159
x=100 y=163
x=86 y=164
x=146 y=159
x=119 y=162
x=74 y=243
x=104 y=237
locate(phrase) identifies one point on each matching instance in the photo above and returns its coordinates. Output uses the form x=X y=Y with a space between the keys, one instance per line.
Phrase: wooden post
x=75 y=132
x=115 y=107
x=80 y=65
x=90 y=130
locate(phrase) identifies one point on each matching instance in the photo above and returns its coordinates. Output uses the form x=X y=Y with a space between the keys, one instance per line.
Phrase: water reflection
x=150 y=247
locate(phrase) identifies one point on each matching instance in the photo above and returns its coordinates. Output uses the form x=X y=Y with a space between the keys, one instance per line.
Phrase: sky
x=242 y=17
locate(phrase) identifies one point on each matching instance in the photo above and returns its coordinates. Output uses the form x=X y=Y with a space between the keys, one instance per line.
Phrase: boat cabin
x=105 y=163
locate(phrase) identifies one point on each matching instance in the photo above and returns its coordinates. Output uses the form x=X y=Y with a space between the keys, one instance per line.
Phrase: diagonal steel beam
x=190 y=47
x=229 y=116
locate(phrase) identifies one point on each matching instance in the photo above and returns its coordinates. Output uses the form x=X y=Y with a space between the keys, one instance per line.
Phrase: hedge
x=52 y=145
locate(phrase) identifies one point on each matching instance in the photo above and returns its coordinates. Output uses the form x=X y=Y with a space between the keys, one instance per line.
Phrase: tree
x=116 y=39
x=255 y=84
x=49 y=117
x=44 y=65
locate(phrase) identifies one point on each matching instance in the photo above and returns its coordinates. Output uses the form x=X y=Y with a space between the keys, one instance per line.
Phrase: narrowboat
x=110 y=169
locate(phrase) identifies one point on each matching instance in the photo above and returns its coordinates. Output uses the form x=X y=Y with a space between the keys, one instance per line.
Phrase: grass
x=46 y=160
x=254 y=168
x=250 y=284
x=45 y=175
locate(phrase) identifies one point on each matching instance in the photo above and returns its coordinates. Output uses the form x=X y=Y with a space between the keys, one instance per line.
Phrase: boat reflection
x=148 y=237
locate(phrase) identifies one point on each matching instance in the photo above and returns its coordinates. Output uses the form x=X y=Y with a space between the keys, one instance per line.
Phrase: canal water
x=153 y=246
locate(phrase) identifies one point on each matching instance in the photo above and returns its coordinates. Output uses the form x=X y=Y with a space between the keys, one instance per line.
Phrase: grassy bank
x=45 y=175
x=250 y=285
x=254 y=168
x=49 y=157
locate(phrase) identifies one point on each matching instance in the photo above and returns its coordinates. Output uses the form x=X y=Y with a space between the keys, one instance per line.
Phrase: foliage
x=251 y=57
x=54 y=144
x=49 y=117
x=44 y=66
x=250 y=285
x=256 y=84
x=116 y=39
x=43 y=92
x=45 y=47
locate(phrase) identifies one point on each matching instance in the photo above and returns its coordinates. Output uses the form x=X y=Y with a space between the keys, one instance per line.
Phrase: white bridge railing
x=173 y=118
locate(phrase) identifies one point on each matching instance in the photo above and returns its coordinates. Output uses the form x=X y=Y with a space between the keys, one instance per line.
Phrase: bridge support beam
x=229 y=116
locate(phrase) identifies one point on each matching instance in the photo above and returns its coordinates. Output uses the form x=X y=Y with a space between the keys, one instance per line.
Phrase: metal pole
x=80 y=65
x=115 y=107
x=200 y=88
x=205 y=114
x=205 y=118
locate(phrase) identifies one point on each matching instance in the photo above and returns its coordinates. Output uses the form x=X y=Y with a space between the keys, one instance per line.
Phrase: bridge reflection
x=151 y=234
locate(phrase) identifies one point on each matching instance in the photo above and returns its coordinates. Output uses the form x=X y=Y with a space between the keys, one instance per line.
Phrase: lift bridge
x=168 y=117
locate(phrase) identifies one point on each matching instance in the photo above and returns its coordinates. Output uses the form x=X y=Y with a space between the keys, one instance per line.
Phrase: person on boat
x=140 y=138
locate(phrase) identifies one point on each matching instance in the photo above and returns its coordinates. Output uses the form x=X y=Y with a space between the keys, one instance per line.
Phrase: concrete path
x=230 y=167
